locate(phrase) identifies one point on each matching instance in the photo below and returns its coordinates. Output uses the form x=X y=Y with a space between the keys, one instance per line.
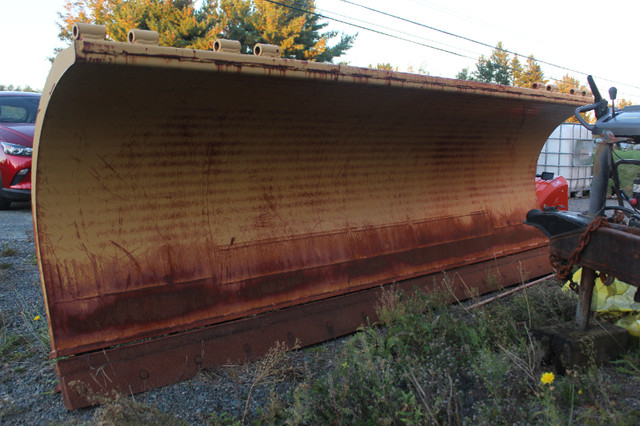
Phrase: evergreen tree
x=499 y=69
x=484 y=70
x=495 y=69
x=500 y=58
x=463 y=74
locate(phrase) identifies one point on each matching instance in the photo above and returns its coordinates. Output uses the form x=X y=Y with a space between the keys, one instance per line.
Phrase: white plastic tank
x=569 y=153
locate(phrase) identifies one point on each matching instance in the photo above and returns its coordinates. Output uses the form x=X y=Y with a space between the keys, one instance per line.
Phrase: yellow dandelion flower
x=579 y=391
x=547 y=378
x=36 y=318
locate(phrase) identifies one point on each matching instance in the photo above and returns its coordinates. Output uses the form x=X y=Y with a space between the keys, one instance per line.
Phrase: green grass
x=433 y=363
x=13 y=346
x=7 y=251
x=29 y=338
x=627 y=173
x=443 y=365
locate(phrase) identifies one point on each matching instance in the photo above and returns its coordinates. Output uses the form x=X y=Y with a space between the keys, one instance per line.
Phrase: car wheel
x=4 y=203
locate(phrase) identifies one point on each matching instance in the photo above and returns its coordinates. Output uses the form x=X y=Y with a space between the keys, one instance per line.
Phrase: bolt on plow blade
x=176 y=191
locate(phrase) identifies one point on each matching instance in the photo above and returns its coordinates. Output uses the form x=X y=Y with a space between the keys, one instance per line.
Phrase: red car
x=17 y=121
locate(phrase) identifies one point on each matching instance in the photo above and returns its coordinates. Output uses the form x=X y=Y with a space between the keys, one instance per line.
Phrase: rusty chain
x=563 y=270
x=618 y=217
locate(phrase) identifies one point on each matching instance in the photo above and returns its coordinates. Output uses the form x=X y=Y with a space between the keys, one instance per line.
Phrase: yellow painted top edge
x=172 y=57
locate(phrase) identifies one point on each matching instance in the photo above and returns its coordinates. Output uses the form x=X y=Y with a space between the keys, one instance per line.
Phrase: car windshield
x=18 y=109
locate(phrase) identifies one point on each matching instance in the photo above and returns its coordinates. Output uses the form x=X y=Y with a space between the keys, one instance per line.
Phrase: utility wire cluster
x=423 y=42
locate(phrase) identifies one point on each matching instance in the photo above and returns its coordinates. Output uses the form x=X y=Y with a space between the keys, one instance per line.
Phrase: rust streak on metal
x=159 y=362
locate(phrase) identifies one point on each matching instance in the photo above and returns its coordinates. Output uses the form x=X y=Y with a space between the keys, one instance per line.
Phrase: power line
x=476 y=41
x=454 y=35
x=299 y=9
x=459 y=16
x=395 y=30
x=419 y=24
x=367 y=29
x=380 y=32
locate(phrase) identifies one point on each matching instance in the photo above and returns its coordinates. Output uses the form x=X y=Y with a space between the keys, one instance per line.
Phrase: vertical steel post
x=601 y=170
x=585 y=293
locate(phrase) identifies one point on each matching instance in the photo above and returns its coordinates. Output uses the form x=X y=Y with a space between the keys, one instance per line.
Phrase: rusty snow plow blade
x=194 y=207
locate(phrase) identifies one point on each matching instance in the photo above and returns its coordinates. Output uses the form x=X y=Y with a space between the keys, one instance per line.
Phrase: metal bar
x=612 y=250
x=585 y=293
x=511 y=291
x=599 y=185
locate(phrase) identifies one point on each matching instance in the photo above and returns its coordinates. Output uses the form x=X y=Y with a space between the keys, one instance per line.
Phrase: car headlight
x=14 y=149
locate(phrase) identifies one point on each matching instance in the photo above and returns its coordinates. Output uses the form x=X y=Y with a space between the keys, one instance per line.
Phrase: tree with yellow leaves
x=532 y=73
x=291 y=24
x=569 y=83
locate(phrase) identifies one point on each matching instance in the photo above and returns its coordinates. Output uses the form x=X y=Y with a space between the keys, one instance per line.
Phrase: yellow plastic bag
x=631 y=323
x=618 y=297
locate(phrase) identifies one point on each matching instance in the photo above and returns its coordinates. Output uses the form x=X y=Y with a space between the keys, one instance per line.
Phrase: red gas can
x=553 y=193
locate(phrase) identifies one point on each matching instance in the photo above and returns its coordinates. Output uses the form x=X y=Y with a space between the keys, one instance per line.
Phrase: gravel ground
x=582 y=204
x=579 y=204
x=28 y=380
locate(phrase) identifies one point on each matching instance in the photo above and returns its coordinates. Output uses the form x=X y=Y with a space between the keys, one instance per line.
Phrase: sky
x=565 y=36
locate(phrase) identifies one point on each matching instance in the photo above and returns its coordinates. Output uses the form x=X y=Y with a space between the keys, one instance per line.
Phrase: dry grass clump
x=121 y=410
